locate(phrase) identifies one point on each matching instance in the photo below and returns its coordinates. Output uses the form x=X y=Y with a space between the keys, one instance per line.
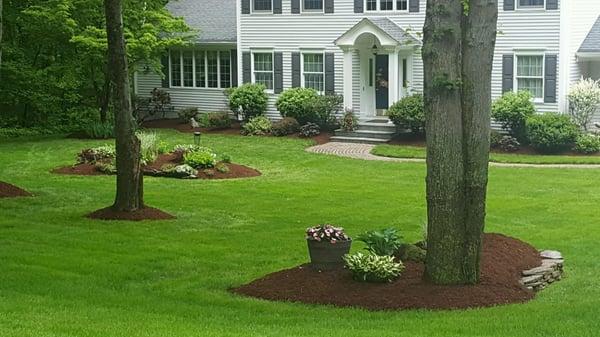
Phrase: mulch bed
x=236 y=128
x=11 y=191
x=503 y=260
x=78 y=170
x=146 y=213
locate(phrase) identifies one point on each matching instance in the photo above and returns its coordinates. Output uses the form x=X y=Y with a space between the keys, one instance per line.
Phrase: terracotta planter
x=326 y=255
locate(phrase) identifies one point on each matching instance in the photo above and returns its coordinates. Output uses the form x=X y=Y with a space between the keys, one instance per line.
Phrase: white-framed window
x=312 y=6
x=262 y=5
x=313 y=71
x=529 y=74
x=200 y=69
x=538 y=4
x=262 y=69
x=386 y=5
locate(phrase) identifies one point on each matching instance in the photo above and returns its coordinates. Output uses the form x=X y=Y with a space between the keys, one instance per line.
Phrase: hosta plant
x=373 y=268
x=383 y=242
x=203 y=158
x=95 y=154
x=326 y=233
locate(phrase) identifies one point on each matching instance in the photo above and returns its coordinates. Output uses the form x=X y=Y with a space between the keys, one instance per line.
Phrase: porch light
x=374 y=49
x=197 y=136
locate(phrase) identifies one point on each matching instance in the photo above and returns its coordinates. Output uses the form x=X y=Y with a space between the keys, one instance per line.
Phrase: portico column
x=394 y=85
x=348 y=54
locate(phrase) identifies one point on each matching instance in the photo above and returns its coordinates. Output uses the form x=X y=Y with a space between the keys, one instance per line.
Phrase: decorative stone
x=531 y=279
x=538 y=270
x=551 y=254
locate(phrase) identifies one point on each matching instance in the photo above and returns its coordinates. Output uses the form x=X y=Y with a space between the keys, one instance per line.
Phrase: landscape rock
x=551 y=254
x=550 y=271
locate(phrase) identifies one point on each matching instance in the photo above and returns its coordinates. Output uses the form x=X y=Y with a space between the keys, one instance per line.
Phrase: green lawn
x=405 y=151
x=64 y=275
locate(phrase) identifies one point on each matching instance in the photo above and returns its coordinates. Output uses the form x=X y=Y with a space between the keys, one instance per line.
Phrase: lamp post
x=197 y=136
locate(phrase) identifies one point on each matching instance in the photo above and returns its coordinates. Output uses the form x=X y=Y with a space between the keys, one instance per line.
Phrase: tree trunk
x=458 y=51
x=105 y=100
x=129 y=196
x=1 y=25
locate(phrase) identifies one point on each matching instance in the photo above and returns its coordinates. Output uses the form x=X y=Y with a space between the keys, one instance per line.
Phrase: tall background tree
x=1 y=1
x=459 y=41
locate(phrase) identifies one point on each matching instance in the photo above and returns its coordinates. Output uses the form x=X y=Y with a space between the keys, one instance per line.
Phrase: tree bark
x=1 y=25
x=129 y=196
x=459 y=41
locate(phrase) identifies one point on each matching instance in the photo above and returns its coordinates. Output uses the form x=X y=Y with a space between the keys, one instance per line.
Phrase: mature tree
x=1 y=1
x=459 y=41
x=130 y=192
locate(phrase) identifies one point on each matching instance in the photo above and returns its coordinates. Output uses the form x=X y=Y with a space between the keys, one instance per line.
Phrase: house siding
x=287 y=33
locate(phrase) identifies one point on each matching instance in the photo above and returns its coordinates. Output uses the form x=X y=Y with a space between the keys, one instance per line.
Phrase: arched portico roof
x=385 y=30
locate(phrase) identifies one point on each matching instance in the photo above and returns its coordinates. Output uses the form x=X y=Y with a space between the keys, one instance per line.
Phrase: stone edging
x=550 y=271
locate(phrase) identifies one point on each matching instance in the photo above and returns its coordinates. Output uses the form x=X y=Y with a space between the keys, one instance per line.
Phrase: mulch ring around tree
x=503 y=260
x=146 y=213
x=11 y=191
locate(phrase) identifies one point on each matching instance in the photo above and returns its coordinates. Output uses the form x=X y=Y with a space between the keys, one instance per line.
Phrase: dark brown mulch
x=11 y=191
x=503 y=260
x=235 y=170
x=85 y=169
x=146 y=213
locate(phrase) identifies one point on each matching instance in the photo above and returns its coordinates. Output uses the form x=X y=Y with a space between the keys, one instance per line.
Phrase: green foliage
x=97 y=154
x=252 y=98
x=149 y=147
x=373 y=268
x=412 y=253
x=409 y=112
x=257 y=126
x=587 y=143
x=507 y=144
x=584 y=97
x=383 y=242
x=323 y=110
x=106 y=167
x=512 y=110
x=293 y=103
x=216 y=120
x=495 y=138
x=225 y=158
x=310 y=130
x=284 y=127
x=222 y=168
x=201 y=158
x=98 y=130
x=185 y=115
x=349 y=121
x=551 y=132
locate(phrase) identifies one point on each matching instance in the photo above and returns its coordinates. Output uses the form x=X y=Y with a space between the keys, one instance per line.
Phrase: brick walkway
x=363 y=151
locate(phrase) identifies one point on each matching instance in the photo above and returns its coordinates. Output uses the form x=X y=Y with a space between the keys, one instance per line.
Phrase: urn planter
x=325 y=255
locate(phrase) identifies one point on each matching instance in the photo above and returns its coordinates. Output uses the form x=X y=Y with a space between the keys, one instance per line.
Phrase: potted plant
x=327 y=246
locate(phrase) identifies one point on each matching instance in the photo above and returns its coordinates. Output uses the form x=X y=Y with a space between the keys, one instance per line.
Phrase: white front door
x=367 y=75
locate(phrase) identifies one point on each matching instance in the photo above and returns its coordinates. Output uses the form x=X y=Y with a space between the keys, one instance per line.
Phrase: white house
x=367 y=50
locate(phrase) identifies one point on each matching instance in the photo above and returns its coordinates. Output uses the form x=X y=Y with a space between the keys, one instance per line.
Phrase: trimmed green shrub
x=215 y=120
x=98 y=130
x=512 y=110
x=310 y=130
x=509 y=144
x=383 y=242
x=293 y=103
x=409 y=112
x=201 y=158
x=187 y=114
x=412 y=253
x=587 y=143
x=551 y=132
x=257 y=126
x=251 y=97
x=323 y=109
x=373 y=268
x=284 y=127
x=96 y=154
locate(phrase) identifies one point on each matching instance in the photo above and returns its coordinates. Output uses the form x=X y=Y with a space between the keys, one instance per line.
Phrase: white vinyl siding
x=529 y=74
x=262 y=69
x=313 y=71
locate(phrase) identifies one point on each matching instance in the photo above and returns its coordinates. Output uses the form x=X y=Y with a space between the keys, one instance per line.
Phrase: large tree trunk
x=129 y=195
x=457 y=53
x=1 y=24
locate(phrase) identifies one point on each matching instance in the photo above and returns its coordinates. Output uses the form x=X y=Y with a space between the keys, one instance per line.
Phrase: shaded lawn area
x=64 y=275
x=406 y=151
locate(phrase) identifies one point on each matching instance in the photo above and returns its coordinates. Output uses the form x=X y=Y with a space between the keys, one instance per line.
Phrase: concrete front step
x=377 y=127
x=361 y=140
x=360 y=133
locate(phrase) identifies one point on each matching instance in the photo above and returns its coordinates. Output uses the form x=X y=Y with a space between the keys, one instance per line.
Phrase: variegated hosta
x=373 y=268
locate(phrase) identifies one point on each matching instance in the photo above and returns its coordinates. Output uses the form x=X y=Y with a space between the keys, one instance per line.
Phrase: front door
x=382 y=76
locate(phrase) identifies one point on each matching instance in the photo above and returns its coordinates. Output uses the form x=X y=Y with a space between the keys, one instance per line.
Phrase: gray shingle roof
x=215 y=19
x=591 y=44
x=393 y=30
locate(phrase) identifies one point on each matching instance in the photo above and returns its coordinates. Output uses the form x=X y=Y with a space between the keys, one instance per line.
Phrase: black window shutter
x=414 y=6
x=277 y=73
x=296 y=81
x=329 y=6
x=234 y=68
x=551 y=4
x=508 y=66
x=550 y=79
x=277 y=7
x=164 y=61
x=246 y=67
x=245 y=6
x=358 y=6
x=329 y=73
x=509 y=5
x=295 y=6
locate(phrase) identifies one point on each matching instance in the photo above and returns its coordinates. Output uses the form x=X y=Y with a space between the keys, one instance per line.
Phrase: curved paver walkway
x=363 y=151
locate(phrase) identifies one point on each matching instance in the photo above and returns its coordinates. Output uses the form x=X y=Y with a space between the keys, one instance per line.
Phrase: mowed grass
x=406 y=151
x=64 y=275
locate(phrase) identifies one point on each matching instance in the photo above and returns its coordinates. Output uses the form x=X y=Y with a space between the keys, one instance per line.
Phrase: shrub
x=412 y=253
x=187 y=114
x=409 y=112
x=323 y=110
x=106 y=167
x=373 y=268
x=186 y=148
x=200 y=158
x=294 y=103
x=284 y=127
x=159 y=103
x=219 y=120
x=587 y=143
x=225 y=158
x=509 y=144
x=512 y=110
x=149 y=148
x=551 y=132
x=495 y=138
x=349 y=122
x=96 y=154
x=221 y=167
x=584 y=98
x=310 y=130
x=252 y=98
x=98 y=130
x=326 y=232
x=383 y=242
x=257 y=126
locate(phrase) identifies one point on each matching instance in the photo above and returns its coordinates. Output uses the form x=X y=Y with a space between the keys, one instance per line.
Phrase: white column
x=348 y=56
x=394 y=82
